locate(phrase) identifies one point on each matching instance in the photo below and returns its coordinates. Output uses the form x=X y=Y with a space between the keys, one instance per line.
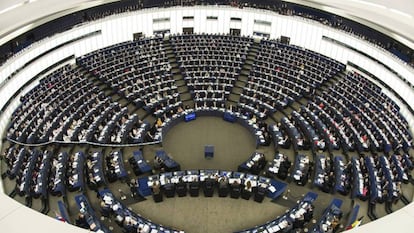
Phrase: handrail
x=90 y=34
x=83 y=143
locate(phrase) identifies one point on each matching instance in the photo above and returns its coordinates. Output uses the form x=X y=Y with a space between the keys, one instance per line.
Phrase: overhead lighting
x=16 y=5
x=11 y=8
x=370 y=4
x=374 y=5
x=401 y=13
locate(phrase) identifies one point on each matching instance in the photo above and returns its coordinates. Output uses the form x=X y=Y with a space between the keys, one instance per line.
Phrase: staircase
x=331 y=82
x=324 y=87
x=182 y=88
x=108 y=91
x=241 y=82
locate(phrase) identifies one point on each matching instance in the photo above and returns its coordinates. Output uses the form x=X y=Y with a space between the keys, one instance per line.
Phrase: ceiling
x=396 y=16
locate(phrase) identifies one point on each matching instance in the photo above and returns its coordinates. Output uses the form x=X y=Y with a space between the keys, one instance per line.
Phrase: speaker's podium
x=208 y=151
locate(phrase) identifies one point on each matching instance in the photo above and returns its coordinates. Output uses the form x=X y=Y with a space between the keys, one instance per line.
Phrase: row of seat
x=138 y=70
x=37 y=118
x=327 y=134
x=367 y=130
x=279 y=166
x=126 y=218
x=115 y=167
x=281 y=74
x=210 y=64
x=373 y=177
x=63 y=114
x=367 y=126
x=260 y=133
x=378 y=110
x=294 y=218
x=330 y=220
x=321 y=125
x=112 y=128
x=254 y=164
x=87 y=216
x=94 y=168
x=235 y=184
x=376 y=178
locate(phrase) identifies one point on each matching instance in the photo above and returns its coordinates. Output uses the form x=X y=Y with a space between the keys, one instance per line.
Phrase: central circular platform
x=206 y=215
x=232 y=143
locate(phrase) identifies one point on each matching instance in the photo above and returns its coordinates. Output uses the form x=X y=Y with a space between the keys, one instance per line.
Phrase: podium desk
x=209 y=151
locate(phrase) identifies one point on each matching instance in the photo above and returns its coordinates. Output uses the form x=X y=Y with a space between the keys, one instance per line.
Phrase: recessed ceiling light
x=11 y=8
x=401 y=13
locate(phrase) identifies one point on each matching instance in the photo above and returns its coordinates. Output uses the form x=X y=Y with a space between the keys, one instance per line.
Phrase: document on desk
x=254 y=183
x=272 y=189
x=163 y=181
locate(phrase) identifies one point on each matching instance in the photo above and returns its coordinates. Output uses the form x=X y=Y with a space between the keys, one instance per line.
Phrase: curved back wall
x=208 y=19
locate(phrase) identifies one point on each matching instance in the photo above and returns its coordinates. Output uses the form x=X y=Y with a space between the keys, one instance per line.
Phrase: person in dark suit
x=156 y=188
x=208 y=187
x=235 y=189
x=156 y=192
x=81 y=221
x=181 y=188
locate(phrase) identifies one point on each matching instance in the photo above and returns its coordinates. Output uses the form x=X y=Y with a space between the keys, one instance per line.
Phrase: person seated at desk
x=119 y=214
x=299 y=220
x=159 y=122
x=134 y=133
x=223 y=186
x=181 y=187
x=285 y=226
x=81 y=221
x=235 y=189
x=267 y=138
x=320 y=144
x=143 y=229
x=283 y=169
x=326 y=229
x=90 y=162
x=156 y=191
x=261 y=192
x=158 y=162
x=247 y=190
x=309 y=212
x=194 y=187
x=168 y=114
x=335 y=222
x=209 y=187
x=92 y=182
x=169 y=188
x=129 y=224
x=300 y=142
x=232 y=108
x=151 y=133
x=398 y=192
x=284 y=141
x=248 y=186
x=253 y=120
